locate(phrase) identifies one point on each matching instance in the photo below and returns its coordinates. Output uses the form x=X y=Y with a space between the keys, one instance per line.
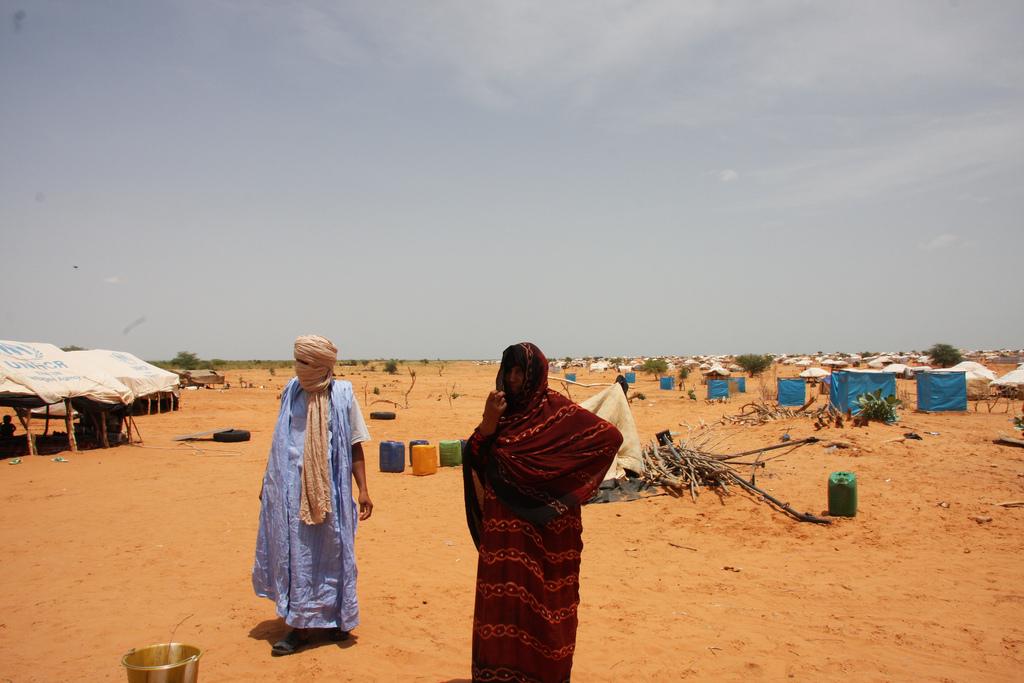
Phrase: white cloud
x=943 y=241
x=728 y=175
x=935 y=154
x=974 y=198
x=664 y=58
x=112 y=280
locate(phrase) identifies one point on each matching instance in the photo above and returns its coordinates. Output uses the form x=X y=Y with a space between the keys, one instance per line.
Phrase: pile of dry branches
x=686 y=467
x=761 y=412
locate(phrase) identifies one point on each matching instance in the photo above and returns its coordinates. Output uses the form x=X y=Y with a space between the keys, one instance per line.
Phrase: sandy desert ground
x=113 y=548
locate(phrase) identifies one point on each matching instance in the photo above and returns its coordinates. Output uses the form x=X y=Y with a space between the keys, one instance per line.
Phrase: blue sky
x=441 y=179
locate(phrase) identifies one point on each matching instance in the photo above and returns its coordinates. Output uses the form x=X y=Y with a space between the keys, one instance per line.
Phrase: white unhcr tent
x=43 y=370
x=34 y=374
x=141 y=377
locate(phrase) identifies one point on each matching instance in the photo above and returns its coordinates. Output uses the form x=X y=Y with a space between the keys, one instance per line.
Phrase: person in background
x=7 y=428
x=305 y=547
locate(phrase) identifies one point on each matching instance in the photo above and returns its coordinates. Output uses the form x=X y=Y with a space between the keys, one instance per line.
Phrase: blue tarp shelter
x=847 y=385
x=792 y=392
x=941 y=391
x=718 y=388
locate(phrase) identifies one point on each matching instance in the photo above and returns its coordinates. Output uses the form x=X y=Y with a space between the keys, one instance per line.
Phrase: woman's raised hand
x=494 y=408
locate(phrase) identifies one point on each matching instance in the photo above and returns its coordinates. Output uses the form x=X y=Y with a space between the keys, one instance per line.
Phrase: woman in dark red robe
x=534 y=459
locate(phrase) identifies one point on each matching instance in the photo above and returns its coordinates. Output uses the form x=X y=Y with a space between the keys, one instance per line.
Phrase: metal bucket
x=163 y=663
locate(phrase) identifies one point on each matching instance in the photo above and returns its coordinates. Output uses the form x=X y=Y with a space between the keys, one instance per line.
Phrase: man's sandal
x=290 y=644
x=336 y=635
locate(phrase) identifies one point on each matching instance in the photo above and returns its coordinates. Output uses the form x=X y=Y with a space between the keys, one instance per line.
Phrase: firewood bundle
x=684 y=467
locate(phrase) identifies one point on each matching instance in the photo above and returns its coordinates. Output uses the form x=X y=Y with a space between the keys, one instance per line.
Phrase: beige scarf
x=314 y=365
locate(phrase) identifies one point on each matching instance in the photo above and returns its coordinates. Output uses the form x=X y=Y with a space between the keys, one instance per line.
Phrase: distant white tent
x=835 y=362
x=814 y=373
x=1014 y=378
x=895 y=368
x=977 y=368
x=804 y=362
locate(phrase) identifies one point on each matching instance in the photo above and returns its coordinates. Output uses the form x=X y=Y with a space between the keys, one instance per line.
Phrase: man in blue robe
x=305 y=548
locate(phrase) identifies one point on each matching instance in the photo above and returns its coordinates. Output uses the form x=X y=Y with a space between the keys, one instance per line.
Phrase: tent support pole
x=102 y=420
x=28 y=434
x=69 y=423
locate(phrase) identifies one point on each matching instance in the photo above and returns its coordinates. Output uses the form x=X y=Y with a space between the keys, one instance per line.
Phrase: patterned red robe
x=524 y=488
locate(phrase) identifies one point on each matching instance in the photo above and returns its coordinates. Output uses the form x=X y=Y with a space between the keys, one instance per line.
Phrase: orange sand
x=113 y=548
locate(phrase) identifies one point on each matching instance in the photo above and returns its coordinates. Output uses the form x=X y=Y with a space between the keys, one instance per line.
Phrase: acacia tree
x=186 y=360
x=655 y=366
x=754 y=363
x=944 y=355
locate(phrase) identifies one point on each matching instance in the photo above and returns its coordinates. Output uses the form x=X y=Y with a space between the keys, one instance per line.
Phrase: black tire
x=382 y=415
x=231 y=436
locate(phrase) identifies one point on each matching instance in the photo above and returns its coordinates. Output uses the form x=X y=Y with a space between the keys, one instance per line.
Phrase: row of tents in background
x=103 y=387
x=942 y=390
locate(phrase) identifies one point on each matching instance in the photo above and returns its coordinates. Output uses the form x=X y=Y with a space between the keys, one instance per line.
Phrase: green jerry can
x=842 y=494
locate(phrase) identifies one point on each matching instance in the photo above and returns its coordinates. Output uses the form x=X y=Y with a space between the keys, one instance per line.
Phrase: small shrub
x=376 y=391
x=640 y=396
x=692 y=394
x=874 y=407
x=391 y=366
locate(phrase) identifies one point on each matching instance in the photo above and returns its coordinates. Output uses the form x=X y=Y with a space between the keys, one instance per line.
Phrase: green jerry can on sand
x=842 y=494
x=451 y=453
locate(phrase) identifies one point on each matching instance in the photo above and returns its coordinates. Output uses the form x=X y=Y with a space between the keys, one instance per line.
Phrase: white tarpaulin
x=611 y=405
x=43 y=370
x=138 y=375
x=1014 y=378
x=977 y=368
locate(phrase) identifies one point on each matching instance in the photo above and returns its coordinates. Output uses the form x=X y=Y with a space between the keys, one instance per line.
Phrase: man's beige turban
x=314 y=366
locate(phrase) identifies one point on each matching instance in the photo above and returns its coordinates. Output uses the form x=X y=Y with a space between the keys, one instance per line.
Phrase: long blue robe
x=309 y=571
